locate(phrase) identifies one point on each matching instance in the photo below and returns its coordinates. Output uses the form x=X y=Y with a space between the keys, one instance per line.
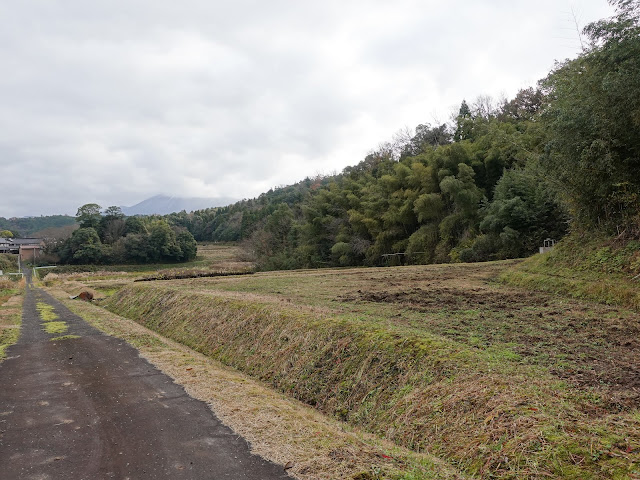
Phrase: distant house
x=4 y=245
x=29 y=249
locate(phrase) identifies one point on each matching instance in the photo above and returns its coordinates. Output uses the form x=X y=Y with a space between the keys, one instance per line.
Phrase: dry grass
x=7 y=287
x=277 y=427
x=10 y=321
x=212 y=258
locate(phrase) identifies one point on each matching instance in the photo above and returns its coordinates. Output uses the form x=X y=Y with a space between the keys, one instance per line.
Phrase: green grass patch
x=55 y=327
x=8 y=336
x=108 y=291
x=600 y=269
x=64 y=337
x=6 y=293
x=46 y=312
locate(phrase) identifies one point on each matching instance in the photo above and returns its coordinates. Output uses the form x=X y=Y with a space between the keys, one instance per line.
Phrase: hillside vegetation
x=29 y=226
x=108 y=237
x=597 y=268
x=492 y=184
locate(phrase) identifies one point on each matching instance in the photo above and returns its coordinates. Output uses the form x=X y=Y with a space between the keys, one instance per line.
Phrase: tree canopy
x=593 y=125
x=110 y=237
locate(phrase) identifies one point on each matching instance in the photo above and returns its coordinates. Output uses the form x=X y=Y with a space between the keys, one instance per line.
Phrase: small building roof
x=26 y=241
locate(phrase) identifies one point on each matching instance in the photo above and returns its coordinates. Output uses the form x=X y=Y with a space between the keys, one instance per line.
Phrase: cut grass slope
x=596 y=268
x=481 y=409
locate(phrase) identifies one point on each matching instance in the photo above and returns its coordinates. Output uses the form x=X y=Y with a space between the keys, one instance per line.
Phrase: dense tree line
x=26 y=226
x=592 y=148
x=110 y=237
x=492 y=184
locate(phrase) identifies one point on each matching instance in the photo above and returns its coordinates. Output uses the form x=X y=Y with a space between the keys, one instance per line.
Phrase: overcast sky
x=115 y=101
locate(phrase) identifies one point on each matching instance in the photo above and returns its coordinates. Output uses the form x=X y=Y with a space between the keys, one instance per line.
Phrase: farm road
x=91 y=408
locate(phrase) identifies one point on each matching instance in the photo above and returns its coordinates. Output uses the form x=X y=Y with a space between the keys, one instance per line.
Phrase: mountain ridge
x=163 y=204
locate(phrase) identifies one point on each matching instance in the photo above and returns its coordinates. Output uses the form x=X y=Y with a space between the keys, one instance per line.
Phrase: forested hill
x=494 y=183
x=26 y=226
x=466 y=192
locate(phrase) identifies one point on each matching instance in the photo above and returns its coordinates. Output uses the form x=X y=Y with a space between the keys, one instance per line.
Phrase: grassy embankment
x=595 y=268
x=500 y=381
x=10 y=305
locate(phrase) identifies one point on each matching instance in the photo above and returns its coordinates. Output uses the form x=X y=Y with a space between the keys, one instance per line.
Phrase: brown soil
x=587 y=344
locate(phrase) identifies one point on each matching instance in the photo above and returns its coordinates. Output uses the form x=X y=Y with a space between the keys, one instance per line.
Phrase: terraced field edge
x=600 y=269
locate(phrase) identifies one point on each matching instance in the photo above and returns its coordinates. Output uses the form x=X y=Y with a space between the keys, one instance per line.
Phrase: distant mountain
x=162 y=205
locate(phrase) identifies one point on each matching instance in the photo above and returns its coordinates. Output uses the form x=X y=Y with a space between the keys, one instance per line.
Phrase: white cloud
x=113 y=102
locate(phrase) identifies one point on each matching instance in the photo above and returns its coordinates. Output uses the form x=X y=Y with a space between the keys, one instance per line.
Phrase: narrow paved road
x=91 y=408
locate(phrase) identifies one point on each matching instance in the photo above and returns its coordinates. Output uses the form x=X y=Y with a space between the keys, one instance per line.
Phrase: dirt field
x=588 y=344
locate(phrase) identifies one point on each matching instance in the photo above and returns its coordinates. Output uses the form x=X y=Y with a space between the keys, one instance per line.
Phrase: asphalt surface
x=91 y=408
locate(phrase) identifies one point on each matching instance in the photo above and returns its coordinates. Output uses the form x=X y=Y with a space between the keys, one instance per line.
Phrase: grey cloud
x=117 y=101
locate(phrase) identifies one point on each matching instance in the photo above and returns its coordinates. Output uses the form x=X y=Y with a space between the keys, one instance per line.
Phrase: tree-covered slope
x=494 y=183
x=27 y=226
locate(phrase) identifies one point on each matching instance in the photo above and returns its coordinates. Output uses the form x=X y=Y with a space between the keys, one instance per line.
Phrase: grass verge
x=10 y=318
x=276 y=426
